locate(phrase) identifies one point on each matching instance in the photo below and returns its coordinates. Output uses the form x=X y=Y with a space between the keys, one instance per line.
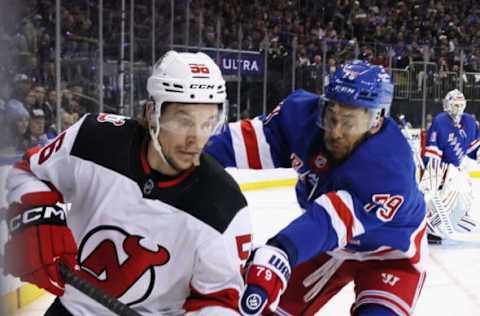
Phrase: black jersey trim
x=208 y=193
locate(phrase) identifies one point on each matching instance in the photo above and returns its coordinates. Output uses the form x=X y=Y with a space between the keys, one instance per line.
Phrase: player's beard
x=176 y=167
x=339 y=159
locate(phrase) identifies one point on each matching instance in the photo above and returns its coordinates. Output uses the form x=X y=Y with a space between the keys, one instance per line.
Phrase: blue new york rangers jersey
x=451 y=143
x=368 y=207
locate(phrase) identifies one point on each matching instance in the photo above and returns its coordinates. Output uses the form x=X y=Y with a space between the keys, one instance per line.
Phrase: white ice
x=452 y=287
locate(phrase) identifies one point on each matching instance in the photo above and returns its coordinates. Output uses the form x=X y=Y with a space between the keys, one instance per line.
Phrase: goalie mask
x=186 y=78
x=454 y=104
x=359 y=84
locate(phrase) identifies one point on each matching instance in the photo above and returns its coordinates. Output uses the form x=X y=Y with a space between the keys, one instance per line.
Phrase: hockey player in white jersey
x=154 y=221
x=445 y=182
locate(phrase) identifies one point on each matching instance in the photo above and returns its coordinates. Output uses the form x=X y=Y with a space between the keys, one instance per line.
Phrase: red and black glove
x=39 y=239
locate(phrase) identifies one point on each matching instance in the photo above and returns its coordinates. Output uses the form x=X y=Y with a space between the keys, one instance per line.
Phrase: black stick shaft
x=95 y=293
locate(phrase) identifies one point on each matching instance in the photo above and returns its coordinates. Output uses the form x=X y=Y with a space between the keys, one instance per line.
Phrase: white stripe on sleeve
x=238 y=145
x=263 y=146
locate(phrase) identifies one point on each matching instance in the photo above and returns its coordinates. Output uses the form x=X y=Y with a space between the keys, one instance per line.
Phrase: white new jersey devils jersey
x=163 y=245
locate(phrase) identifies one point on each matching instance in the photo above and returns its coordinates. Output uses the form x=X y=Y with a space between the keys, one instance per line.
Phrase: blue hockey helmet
x=361 y=84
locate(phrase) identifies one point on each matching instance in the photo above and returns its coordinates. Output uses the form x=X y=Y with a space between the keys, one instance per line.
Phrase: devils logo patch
x=119 y=263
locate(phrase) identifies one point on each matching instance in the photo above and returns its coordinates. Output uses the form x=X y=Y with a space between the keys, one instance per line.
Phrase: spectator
x=443 y=70
x=50 y=110
x=428 y=120
x=36 y=134
x=472 y=66
x=40 y=93
x=303 y=60
x=30 y=100
x=17 y=121
x=331 y=67
x=31 y=68
x=48 y=74
x=316 y=74
x=67 y=120
x=381 y=61
x=401 y=54
x=78 y=95
x=70 y=105
x=22 y=85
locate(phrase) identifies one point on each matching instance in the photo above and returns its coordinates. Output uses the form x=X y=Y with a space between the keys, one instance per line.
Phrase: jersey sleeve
x=472 y=150
x=249 y=144
x=217 y=277
x=331 y=222
x=433 y=148
x=51 y=165
x=266 y=141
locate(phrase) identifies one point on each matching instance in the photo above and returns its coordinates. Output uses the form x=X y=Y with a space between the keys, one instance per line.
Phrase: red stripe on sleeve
x=343 y=212
x=227 y=298
x=474 y=143
x=23 y=165
x=251 y=144
x=42 y=198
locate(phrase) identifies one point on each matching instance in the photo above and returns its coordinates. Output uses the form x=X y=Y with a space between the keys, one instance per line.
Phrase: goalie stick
x=417 y=154
x=438 y=206
x=95 y=293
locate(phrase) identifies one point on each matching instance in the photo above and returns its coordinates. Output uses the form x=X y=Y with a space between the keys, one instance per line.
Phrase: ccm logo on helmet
x=202 y=86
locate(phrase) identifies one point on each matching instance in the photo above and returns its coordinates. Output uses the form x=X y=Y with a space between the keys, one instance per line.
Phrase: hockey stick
x=95 y=293
x=417 y=154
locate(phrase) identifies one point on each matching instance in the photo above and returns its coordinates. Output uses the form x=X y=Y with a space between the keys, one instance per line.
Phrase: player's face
x=184 y=131
x=457 y=108
x=344 y=128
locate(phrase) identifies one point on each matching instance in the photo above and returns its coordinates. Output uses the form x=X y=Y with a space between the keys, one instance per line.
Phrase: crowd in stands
x=323 y=33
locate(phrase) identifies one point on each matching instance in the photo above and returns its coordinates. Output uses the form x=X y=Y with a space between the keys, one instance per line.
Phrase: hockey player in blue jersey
x=445 y=182
x=364 y=218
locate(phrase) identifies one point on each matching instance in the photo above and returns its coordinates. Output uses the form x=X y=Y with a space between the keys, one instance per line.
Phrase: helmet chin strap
x=156 y=144
x=154 y=135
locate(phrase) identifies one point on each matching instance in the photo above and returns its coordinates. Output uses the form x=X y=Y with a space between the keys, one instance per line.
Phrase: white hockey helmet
x=454 y=104
x=186 y=78
x=183 y=78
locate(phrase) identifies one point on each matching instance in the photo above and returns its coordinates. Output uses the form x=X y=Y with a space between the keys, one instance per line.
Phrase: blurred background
x=62 y=58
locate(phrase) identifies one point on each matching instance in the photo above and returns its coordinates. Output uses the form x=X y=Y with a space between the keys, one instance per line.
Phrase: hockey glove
x=266 y=277
x=39 y=239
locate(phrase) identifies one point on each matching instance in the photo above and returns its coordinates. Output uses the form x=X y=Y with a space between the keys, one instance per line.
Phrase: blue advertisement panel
x=229 y=64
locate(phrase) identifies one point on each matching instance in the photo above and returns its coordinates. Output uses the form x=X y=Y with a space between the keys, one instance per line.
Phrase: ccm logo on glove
x=51 y=215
